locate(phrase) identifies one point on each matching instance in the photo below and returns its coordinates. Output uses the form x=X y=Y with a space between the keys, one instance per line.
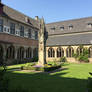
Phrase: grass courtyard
x=73 y=78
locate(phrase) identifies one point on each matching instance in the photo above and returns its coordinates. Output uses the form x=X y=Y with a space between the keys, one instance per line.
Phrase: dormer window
x=89 y=25
x=62 y=28
x=53 y=28
x=70 y=27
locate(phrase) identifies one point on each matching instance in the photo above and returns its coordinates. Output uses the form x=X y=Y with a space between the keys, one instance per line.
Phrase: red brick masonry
x=7 y=38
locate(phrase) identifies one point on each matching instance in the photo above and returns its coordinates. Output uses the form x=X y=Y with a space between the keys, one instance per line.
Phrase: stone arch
x=51 y=52
x=90 y=52
x=69 y=51
x=80 y=50
x=20 y=53
x=60 y=52
x=29 y=53
x=35 y=52
x=10 y=53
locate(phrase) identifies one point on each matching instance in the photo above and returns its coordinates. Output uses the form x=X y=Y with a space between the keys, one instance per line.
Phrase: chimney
x=36 y=18
x=1 y=7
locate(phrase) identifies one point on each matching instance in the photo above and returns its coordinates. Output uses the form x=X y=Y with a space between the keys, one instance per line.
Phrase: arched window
x=69 y=52
x=10 y=52
x=35 y=52
x=20 y=54
x=60 y=52
x=80 y=50
x=1 y=52
x=51 y=52
x=90 y=52
x=29 y=53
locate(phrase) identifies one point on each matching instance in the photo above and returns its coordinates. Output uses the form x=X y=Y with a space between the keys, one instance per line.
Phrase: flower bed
x=46 y=67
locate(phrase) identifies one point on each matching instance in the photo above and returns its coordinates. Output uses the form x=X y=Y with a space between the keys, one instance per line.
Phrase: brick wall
x=17 y=40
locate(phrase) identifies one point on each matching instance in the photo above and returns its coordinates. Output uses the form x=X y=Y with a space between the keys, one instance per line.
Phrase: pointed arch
x=20 y=53
x=51 y=52
x=69 y=51
x=80 y=50
x=10 y=53
x=29 y=53
x=60 y=52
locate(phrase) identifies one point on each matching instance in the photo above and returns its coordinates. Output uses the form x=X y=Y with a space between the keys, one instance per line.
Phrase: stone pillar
x=55 y=49
x=24 y=52
x=42 y=49
x=16 y=50
x=64 y=48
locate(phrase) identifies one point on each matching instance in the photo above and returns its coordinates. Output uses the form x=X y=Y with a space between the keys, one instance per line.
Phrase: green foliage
x=83 y=57
x=53 y=63
x=89 y=84
x=63 y=59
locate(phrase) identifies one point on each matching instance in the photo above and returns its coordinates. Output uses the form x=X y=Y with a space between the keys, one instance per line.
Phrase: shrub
x=83 y=57
x=63 y=59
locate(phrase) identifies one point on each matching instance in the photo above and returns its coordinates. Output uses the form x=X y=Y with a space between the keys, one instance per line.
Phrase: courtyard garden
x=70 y=78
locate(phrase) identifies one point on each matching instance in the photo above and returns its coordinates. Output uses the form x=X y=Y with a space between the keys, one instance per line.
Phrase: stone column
x=16 y=50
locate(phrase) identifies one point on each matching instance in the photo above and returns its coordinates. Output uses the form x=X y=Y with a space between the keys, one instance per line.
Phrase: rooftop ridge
x=69 y=20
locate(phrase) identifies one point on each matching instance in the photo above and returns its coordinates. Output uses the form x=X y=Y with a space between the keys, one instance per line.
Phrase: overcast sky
x=53 y=10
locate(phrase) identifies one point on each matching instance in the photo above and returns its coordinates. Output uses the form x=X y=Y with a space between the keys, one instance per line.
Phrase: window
x=18 y=32
x=60 y=52
x=29 y=33
x=12 y=28
x=1 y=25
x=22 y=31
x=70 y=27
x=51 y=52
x=26 y=34
x=53 y=28
x=6 y=29
x=89 y=25
x=80 y=50
x=69 y=52
x=36 y=35
x=62 y=28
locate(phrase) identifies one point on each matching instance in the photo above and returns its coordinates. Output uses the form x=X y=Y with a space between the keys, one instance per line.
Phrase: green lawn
x=73 y=78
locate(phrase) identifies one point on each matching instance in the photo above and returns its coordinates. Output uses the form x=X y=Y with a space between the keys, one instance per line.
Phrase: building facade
x=66 y=38
x=18 y=35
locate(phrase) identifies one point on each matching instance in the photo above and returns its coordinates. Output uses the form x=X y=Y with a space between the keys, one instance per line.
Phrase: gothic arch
x=20 y=53
x=51 y=52
x=80 y=50
x=69 y=51
x=10 y=53
x=60 y=52
x=29 y=53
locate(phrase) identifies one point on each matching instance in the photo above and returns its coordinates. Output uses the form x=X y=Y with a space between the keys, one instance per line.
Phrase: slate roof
x=73 y=39
x=79 y=25
x=15 y=15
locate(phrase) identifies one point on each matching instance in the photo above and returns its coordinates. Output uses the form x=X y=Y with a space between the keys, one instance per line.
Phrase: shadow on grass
x=46 y=82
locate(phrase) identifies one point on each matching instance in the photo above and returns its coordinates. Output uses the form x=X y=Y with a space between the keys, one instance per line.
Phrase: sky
x=53 y=10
